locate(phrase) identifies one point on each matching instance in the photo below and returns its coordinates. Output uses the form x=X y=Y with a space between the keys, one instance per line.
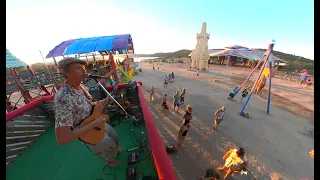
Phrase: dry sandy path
x=275 y=149
x=285 y=93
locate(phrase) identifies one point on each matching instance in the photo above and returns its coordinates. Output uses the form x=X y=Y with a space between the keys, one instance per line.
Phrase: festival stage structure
x=200 y=56
x=31 y=148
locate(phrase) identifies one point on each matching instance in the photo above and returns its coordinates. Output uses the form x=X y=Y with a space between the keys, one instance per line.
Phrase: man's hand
x=104 y=100
x=102 y=119
x=97 y=109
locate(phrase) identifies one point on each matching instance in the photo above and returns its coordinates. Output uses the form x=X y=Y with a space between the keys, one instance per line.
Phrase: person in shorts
x=176 y=101
x=73 y=104
x=165 y=81
x=218 y=117
x=183 y=131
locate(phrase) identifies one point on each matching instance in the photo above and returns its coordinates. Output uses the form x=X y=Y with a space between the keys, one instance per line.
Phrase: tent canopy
x=12 y=61
x=251 y=54
x=93 y=44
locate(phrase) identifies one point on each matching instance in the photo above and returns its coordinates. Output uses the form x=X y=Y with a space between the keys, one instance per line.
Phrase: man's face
x=76 y=72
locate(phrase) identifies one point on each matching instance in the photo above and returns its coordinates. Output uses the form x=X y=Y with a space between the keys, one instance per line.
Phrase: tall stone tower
x=200 y=56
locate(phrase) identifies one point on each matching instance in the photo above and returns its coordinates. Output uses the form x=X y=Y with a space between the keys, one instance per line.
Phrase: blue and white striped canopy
x=12 y=61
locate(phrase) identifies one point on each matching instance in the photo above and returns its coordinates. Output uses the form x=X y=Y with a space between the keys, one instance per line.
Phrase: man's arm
x=65 y=135
x=64 y=121
x=227 y=154
x=216 y=113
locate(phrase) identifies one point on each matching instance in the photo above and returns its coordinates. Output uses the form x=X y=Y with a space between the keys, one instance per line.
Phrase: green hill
x=294 y=62
x=186 y=52
x=177 y=54
x=290 y=57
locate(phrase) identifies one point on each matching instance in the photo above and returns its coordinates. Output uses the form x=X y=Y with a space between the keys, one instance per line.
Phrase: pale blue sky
x=161 y=26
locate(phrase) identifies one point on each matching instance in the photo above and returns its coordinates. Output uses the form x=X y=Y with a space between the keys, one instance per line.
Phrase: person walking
x=172 y=76
x=183 y=92
x=183 y=131
x=218 y=117
x=151 y=93
x=176 y=101
x=165 y=81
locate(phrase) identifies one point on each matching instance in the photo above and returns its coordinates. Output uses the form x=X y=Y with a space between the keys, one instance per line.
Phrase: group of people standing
x=168 y=78
x=234 y=159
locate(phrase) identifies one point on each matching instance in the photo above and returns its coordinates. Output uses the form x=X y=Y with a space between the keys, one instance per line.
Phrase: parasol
x=230 y=52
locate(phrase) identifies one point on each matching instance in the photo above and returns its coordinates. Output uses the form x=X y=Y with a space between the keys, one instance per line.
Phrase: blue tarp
x=59 y=50
x=13 y=62
x=87 y=45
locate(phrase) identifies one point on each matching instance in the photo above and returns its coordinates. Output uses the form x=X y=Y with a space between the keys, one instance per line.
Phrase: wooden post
x=25 y=94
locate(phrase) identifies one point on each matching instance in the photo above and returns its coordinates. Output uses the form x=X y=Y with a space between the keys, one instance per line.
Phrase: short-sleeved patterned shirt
x=71 y=106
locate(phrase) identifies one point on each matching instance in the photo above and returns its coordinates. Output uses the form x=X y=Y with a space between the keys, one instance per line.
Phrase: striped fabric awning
x=12 y=61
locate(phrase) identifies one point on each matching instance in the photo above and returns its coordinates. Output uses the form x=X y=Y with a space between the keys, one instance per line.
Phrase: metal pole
x=245 y=81
x=269 y=91
x=267 y=53
x=49 y=71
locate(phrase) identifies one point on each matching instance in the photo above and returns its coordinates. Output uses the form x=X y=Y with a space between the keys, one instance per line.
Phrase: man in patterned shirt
x=73 y=104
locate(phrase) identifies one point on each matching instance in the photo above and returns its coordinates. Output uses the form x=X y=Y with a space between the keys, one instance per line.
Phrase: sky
x=160 y=26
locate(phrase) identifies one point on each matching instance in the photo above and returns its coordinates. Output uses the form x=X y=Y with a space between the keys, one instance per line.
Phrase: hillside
x=290 y=57
x=185 y=53
x=177 y=54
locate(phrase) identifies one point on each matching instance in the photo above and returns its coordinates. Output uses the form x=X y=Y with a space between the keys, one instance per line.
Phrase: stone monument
x=200 y=56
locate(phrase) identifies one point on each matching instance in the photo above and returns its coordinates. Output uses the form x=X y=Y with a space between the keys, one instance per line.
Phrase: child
x=151 y=93
x=244 y=94
x=169 y=77
x=164 y=102
x=183 y=92
x=172 y=76
x=233 y=93
x=219 y=117
x=176 y=101
x=165 y=81
x=309 y=83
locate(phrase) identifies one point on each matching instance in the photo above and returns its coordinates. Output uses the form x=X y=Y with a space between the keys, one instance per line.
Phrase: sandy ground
x=274 y=148
x=285 y=93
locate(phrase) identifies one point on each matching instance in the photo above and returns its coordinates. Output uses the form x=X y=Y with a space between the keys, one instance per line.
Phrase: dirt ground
x=274 y=147
x=285 y=93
